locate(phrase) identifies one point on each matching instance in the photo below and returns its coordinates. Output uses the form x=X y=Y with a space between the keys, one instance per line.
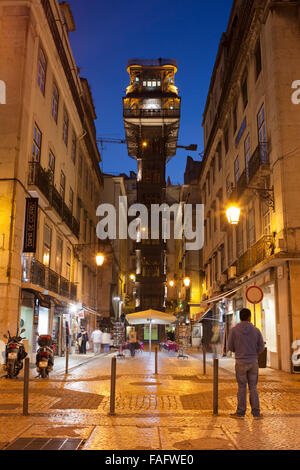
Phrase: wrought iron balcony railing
x=34 y=272
x=254 y=255
x=151 y=113
x=259 y=160
x=43 y=180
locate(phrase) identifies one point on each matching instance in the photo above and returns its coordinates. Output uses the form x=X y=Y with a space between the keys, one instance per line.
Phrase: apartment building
x=251 y=133
x=50 y=181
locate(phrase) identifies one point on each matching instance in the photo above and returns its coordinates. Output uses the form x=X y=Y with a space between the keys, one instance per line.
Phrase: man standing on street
x=246 y=341
x=96 y=338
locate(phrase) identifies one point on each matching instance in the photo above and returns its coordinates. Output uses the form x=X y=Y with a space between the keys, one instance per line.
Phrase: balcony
x=43 y=181
x=255 y=255
x=152 y=113
x=258 y=169
x=36 y=273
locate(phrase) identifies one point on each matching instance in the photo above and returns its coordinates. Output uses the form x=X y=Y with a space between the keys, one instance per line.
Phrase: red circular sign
x=254 y=294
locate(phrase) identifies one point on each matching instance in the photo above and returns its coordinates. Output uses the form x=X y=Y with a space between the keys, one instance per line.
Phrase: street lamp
x=171 y=283
x=233 y=215
x=187 y=281
x=132 y=277
x=100 y=259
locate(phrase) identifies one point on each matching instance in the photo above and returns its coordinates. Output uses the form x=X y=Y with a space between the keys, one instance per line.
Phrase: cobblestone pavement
x=171 y=410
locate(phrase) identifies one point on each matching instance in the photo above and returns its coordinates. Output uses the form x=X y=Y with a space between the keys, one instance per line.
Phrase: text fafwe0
x=188 y=222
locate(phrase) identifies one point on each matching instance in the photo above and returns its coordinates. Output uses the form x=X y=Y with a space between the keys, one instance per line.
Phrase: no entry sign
x=254 y=294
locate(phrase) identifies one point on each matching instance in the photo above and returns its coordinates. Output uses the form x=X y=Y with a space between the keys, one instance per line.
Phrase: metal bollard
x=156 y=352
x=67 y=359
x=26 y=386
x=113 y=386
x=204 y=359
x=216 y=386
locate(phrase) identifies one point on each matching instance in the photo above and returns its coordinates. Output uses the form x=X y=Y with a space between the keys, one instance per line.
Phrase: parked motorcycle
x=14 y=354
x=44 y=356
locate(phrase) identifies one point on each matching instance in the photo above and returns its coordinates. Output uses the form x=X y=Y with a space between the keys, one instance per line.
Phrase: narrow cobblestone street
x=168 y=411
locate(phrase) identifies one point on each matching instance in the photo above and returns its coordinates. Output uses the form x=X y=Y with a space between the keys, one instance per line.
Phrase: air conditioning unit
x=232 y=272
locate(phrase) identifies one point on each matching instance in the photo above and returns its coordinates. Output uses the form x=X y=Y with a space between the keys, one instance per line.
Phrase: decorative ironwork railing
x=43 y=180
x=254 y=255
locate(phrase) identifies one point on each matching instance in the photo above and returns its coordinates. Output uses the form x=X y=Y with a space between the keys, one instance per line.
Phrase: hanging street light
x=233 y=215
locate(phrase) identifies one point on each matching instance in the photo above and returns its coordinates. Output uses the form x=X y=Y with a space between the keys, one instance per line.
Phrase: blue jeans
x=106 y=348
x=247 y=373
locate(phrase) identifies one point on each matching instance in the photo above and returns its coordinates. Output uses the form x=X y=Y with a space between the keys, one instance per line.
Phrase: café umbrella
x=150 y=317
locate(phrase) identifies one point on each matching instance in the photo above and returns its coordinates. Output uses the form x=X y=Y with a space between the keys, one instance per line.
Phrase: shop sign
x=254 y=294
x=81 y=315
x=30 y=230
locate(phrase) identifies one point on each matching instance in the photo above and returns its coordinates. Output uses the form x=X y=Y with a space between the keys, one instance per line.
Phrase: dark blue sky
x=108 y=33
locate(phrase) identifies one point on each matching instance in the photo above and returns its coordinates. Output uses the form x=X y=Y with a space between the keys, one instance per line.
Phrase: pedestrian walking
x=97 y=339
x=82 y=340
x=106 y=341
x=246 y=341
x=132 y=341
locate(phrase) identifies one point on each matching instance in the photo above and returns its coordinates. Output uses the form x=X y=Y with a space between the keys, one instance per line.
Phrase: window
x=213 y=168
x=251 y=228
x=226 y=140
x=266 y=216
x=220 y=156
x=245 y=92
x=78 y=210
x=71 y=199
x=239 y=239
x=247 y=152
x=47 y=245
x=234 y=119
x=65 y=127
x=37 y=144
x=51 y=163
x=73 y=148
x=262 y=134
x=54 y=104
x=208 y=183
x=258 y=59
x=68 y=264
x=216 y=266
x=228 y=185
x=204 y=193
x=41 y=79
x=230 y=245
x=59 y=255
x=222 y=255
x=144 y=83
x=237 y=169
x=80 y=165
x=86 y=177
x=62 y=185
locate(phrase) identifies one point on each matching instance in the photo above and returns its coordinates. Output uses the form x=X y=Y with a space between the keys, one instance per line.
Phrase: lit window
x=149 y=83
x=54 y=108
x=144 y=83
x=154 y=84
x=41 y=72
x=37 y=143
x=158 y=83
x=65 y=127
x=73 y=149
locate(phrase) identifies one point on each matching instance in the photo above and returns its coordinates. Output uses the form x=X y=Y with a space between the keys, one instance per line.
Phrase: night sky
x=108 y=33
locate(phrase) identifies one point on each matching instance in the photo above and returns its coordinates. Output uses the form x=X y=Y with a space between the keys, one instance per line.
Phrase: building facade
x=251 y=159
x=50 y=180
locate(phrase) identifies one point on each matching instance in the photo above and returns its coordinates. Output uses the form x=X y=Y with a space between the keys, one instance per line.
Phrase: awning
x=150 y=316
x=219 y=297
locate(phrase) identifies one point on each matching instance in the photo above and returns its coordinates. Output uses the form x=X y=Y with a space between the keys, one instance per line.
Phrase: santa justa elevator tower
x=151 y=112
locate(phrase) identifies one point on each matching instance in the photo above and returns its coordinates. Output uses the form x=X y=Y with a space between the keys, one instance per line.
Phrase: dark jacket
x=246 y=341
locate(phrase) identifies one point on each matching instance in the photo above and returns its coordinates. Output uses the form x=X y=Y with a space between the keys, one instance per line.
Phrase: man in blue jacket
x=246 y=341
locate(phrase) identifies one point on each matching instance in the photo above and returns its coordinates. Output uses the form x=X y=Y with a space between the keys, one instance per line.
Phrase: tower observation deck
x=151 y=113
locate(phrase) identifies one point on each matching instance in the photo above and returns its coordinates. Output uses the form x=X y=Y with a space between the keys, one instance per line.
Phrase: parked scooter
x=14 y=354
x=44 y=356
